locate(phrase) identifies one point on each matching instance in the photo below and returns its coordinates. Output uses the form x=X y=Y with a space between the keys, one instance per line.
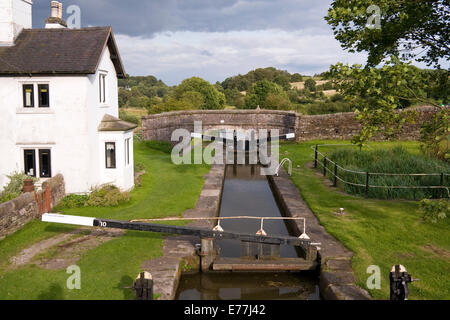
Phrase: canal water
x=248 y=193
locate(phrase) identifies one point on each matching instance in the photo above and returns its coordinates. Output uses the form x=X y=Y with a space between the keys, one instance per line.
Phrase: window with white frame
x=36 y=92
x=102 y=87
x=110 y=155
x=127 y=151
x=44 y=161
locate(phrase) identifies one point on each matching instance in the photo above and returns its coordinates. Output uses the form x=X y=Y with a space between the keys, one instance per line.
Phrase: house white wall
x=69 y=128
x=14 y=16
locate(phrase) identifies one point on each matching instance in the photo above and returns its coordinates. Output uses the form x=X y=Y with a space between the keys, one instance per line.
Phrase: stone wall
x=307 y=127
x=160 y=126
x=16 y=213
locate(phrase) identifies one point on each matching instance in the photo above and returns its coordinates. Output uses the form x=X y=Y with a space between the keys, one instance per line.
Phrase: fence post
x=442 y=185
x=367 y=184
x=325 y=166
x=315 y=155
x=335 y=174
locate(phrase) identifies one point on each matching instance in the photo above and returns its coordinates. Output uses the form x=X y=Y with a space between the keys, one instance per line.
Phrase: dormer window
x=102 y=88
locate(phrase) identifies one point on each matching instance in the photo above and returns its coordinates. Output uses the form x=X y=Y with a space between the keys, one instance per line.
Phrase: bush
x=73 y=201
x=107 y=196
x=396 y=160
x=433 y=211
x=128 y=117
x=15 y=186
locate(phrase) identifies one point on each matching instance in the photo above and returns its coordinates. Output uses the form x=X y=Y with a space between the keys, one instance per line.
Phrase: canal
x=248 y=193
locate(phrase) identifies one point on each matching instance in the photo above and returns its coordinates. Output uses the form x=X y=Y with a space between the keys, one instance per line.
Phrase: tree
x=259 y=92
x=404 y=25
x=296 y=77
x=310 y=84
x=213 y=99
x=378 y=94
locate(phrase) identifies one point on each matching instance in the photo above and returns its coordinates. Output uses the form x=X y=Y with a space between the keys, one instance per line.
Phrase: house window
x=127 y=151
x=30 y=162
x=102 y=87
x=110 y=149
x=45 y=163
x=44 y=97
x=28 y=96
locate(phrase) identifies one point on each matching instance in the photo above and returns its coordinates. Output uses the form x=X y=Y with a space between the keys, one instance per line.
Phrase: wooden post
x=143 y=286
x=315 y=155
x=442 y=185
x=208 y=254
x=367 y=183
x=325 y=166
x=335 y=174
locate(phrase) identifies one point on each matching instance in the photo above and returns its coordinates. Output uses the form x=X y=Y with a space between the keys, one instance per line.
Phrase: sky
x=213 y=39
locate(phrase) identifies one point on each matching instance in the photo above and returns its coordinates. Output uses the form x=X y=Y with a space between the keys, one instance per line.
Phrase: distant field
x=301 y=85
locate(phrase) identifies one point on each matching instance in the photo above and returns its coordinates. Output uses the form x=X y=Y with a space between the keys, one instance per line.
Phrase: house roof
x=110 y=123
x=59 y=51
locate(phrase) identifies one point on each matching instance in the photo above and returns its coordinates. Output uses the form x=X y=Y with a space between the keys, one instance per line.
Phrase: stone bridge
x=306 y=127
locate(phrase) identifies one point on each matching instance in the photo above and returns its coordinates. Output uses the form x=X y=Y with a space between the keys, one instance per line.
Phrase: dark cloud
x=145 y=18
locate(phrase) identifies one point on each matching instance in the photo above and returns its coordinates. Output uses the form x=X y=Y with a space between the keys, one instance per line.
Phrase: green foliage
x=433 y=210
x=129 y=117
x=396 y=160
x=323 y=107
x=435 y=135
x=234 y=97
x=14 y=188
x=310 y=84
x=403 y=25
x=200 y=93
x=296 y=77
x=107 y=196
x=378 y=93
x=141 y=92
x=245 y=82
x=73 y=201
x=266 y=95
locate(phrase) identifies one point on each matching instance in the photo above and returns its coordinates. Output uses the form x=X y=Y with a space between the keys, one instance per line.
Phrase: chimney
x=55 y=20
x=15 y=15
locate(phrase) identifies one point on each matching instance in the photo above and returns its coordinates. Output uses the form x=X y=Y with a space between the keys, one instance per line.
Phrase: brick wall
x=16 y=213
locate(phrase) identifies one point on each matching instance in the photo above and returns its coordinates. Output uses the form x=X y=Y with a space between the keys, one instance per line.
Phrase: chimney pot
x=60 y=7
x=55 y=9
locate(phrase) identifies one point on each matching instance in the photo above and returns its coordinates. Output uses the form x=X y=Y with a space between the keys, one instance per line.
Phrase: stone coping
x=221 y=111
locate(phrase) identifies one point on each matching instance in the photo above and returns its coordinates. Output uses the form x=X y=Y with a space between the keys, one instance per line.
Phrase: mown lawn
x=166 y=190
x=379 y=232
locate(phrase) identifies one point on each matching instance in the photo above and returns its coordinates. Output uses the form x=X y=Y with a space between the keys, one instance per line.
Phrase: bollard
x=399 y=279
x=143 y=286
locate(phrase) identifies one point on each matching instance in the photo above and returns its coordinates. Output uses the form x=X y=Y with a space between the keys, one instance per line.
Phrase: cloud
x=147 y=18
x=174 y=56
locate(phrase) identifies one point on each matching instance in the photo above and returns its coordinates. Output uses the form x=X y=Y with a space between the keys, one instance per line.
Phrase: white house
x=59 y=102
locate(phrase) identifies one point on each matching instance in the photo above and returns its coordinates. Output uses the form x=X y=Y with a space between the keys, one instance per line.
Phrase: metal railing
x=281 y=165
x=334 y=173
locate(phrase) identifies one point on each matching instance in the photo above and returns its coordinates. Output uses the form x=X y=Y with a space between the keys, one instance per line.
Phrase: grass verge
x=166 y=190
x=379 y=232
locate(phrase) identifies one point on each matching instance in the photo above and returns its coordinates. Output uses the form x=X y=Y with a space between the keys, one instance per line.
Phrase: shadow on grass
x=125 y=284
x=54 y=292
